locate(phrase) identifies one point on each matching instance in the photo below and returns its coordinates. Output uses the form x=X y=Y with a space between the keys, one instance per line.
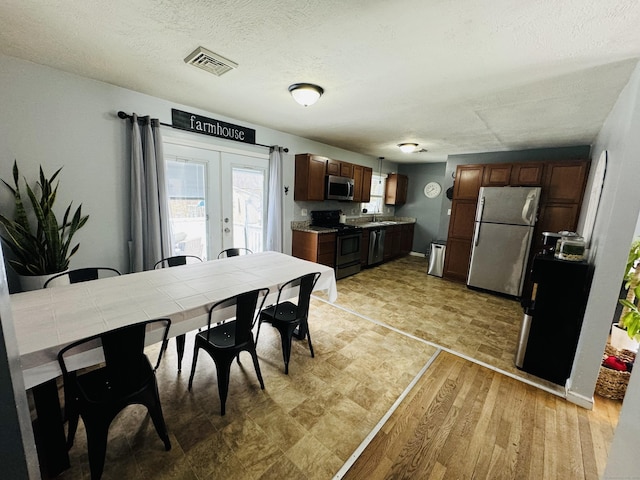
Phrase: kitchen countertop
x=304 y=226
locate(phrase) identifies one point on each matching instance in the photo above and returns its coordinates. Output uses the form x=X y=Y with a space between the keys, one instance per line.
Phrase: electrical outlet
x=303 y=212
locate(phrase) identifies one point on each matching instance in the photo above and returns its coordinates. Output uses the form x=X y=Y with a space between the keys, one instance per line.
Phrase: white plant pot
x=34 y=282
x=621 y=341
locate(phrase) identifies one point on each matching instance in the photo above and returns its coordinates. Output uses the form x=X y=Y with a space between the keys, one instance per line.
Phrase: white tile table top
x=46 y=320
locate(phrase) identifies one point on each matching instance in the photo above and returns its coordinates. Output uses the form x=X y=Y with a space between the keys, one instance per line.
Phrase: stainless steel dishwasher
x=376 y=245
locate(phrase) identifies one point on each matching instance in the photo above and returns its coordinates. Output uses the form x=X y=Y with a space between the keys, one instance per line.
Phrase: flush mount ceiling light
x=305 y=93
x=408 y=147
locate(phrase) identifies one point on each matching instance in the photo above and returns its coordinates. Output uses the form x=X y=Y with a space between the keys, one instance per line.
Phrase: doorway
x=217 y=199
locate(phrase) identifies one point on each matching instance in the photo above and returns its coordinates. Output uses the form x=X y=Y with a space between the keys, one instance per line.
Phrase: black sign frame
x=212 y=127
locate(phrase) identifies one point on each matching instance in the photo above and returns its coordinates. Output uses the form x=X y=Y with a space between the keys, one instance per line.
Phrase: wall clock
x=432 y=189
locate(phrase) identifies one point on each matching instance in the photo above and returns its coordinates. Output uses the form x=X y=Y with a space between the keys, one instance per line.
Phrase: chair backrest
x=176 y=261
x=305 y=283
x=244 y=308
x=80 y=275
x=234 y=252
x=121 y=348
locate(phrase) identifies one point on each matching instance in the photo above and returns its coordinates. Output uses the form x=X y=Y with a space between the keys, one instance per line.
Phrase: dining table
x=46 y=320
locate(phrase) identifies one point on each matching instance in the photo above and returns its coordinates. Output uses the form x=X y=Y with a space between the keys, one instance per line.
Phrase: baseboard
x=578 y=399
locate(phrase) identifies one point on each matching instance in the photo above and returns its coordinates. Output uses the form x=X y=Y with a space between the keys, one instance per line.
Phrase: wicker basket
x=613 y=383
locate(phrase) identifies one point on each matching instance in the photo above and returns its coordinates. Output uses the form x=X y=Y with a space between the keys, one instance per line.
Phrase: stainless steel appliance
x=504 y=222
x=376 y=245
x=436 y=258
x=348 y=238
x=339 y=188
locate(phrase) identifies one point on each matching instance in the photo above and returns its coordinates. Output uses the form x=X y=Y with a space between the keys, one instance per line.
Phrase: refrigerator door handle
x=480 y=211
x=528 y=210
x=476 y=234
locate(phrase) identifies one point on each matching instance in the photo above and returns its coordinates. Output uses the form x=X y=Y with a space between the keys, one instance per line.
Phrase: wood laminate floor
x=413 y=378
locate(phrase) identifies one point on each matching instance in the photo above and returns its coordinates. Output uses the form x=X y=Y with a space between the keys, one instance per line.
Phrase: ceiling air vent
x=209 y=61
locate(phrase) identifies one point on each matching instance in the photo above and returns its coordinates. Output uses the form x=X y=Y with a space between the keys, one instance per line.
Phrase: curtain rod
x=124 y=115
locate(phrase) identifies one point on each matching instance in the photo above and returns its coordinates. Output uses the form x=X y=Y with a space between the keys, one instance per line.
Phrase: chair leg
x=310 y=344
x=254 y=356
x=180 y=341
x=286 y=333
x=223 y=369
x=97 y=434
x=193 y=363
x=155 y=411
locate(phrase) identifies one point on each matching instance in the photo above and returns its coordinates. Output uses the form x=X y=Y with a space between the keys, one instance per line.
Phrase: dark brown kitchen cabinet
x=391 y=242
x=367 y=173
x=396 y=189
x=456 y=260
x=406 y=238
x=346 y=169
x=333 y=167
x=315 y=247
x=309 y=177
x=527 y=174
x=364 y=247
x=497 y=175
x=565 y=182
x=338 y=168
x=362 y=183
x=468 y=182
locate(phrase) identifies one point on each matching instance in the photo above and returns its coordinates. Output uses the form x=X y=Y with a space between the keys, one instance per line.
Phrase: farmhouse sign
x=210 y=126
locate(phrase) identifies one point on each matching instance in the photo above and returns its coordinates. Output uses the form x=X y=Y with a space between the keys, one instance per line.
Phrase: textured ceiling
x=453 y=76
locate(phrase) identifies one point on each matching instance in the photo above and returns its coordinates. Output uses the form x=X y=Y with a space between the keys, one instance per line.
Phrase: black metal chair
x=125 y=378
x=224 y=341
x=176 y=261
x=234 y=252
x=291 y=319
x=80 y=275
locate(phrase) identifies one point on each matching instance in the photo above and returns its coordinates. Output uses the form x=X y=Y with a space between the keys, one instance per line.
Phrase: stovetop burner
x=331 y=219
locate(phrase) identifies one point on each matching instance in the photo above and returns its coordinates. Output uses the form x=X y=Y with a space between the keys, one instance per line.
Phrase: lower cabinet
x=364 y=248
x=315 y=247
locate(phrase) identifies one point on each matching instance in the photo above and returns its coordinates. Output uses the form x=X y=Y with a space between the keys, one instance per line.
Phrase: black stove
x=348 y=238
x=331 y=219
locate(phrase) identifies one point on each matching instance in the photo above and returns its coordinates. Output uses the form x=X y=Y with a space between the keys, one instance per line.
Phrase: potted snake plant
x=41 y=245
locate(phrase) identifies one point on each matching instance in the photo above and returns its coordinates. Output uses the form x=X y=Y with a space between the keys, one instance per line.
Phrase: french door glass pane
x=186 y=182
x=248 y=208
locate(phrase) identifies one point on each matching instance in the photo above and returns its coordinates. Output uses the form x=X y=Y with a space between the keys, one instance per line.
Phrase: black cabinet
x=556 y=309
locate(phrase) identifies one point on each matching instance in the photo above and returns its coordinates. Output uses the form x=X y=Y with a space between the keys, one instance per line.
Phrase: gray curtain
x=274 y=208
x=150 y=231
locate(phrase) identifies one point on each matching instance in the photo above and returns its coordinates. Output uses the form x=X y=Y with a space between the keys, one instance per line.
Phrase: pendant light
x=306 y=93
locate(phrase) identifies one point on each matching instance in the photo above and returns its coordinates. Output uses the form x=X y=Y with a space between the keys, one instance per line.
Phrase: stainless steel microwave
x=339 y=188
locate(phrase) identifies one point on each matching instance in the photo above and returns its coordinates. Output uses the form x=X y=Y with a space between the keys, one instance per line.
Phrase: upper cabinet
x=564 y=183
x=340 y=169
x=526 y=174
x=310 y=177
x=311 y=171
x=468 y=182
x=497 y=175
x=396 y=189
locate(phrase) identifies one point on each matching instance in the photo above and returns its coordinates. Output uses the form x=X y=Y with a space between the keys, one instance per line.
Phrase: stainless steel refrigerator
x=504 y=223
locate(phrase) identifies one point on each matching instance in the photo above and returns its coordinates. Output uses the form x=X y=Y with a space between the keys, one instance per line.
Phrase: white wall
x=54 y=119
x=614 y=231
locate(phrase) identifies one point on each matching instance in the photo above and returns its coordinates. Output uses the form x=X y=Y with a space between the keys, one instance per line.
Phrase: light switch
x=449 y=212
x=303 y=212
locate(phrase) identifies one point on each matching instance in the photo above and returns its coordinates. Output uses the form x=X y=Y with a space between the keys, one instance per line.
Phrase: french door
x=217 y=200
